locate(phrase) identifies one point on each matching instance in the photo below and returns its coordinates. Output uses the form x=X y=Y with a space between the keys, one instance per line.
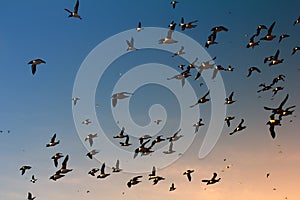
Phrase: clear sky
x=34 y=107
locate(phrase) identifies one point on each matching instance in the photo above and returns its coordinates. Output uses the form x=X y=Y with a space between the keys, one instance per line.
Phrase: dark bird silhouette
x=92 y=153
x=188 y=25
x=126 y=143
x=213 y=180
x=90 y=138
x=24 y=168
x=272 y=123
x=279 y=110
x=102 y=172
x=275 y=90
x=139 y=27
x=269 y=35
x=121 y=134
x=259 y=28
x=228 y=119
x=188 y=174
x=264 y=87
x=280 y=77
x=93 y=171
x=229 y=99
x=75 y=11
x=275 y=60
x=252 y=69
x=198 y=124
x=283 y=36
x=172 y=187
x=211 y=39
x=174 y=4
x=295 y=49
x=30 y=196
x=135 y=180
x=175 y=136
x=297 y=21
x=56 y=157
x=34 y=63
x=201 y=100
x=239 y=128
x=52 y=142
x=64 y=169
x=56 y=176
x=219 y=28
x=267 y=59
x=252 y=43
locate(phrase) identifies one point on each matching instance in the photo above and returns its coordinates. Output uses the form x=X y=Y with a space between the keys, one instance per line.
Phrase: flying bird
x=189 y=25
x=90 y=138
x=130 y=45
x=219 y=28
x=172 y=187
x=75 y=99
x=283 y=36
x=56 y=157
x=118 y=96
x=239 y=128
x=168 y=39
x=252 y=69
x=228 y=119
x=52 y=142
x=102 y=173
x=121 y=134
x=24 y=168
x=64 y=169
x=188 y=174
x=277 y=89
x=33 y=179
x=34 y=63
x=93 y=171
x=135 y=180
x=211 y=39
x=295 y=49
x=275 y=60
x=30 y=196
x=75 y=11
x=157 y=121
x=180 y=52
x=201 y=100
x=117 y=167
x=213 y=180
x=56 y=176
x=297 y=21
x=175 y=136
x=126 y=143
x=229 y=99
x=92 y=153
x=170 y=150
x=269 y=35
x=174 y=4
x=198 y=124
x=139 y=28
x=259 y=28
x=272 y=123
x=86 y=121
x=252 y=43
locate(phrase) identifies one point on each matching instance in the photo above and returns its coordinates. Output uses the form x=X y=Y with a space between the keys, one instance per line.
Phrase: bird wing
x=284 y=101
x=55 y=162
x=169 y=34
x=189 y=176
x=271 y=28
x=33 y=69
x=140 y=25
x=214 y=176
x=64 y=163
x=53 y=138
x=68 y=10
x=114 y=102
x=249 y=72
x=231 y=95
x=76 y=7
x=91 y=141
x=171 y=147
x=242 y=121
x=228 y=123
x=272 y=131
x=276 y=55
x=206 y=94
x=118 y=164
x=215 y=72
x=102 y=168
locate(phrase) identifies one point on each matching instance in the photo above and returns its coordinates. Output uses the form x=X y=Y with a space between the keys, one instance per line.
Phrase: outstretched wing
x=76 y=7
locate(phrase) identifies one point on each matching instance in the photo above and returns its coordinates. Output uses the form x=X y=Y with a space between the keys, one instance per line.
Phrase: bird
x=56 y=157
x=229 y=99
x=204 y=66
x=86 y=121
x=267 y=59
x=198 y=124
x=230 y=68
x=272 y=123
x=52 y=142
x=135 y=180
x=144 y=137
x=268 y=174
x=92 y=153
x=64 y=169
x=75 y=11
x=181 y=67
x=143 y=149
x=189 y=25
x=182 y=76
x=269 y=35
x=30 y=196
x=297 y=21
x=121 y=134
x=33 y=179
x=93 y=171
x=188 y=174
x=102 y=173
x=56 y=176
x=252 y=69
x=168 y=39
x=295 y=49
x=139 y=27
x=219 y=28
x=201 y=100
x=90 y=138
x=240 y=127
x=24 y=168
x=211 y=39
x=259 y=28
x=213 y=180
x=157 y=179
x=283 y=36
x=228 y=119
x=264 y=87
x=157 y=121
x=252 y=43
x=280 y=77
x=126 y=143
x=34 y=63
x=172 y=187
x=180 y=52
x=120 y=95
x=117 y=167
x=275 y=90
x=275 y=60
x=174 y=4
x=216 y=69
x=170 y=150
x=130 y=45
x=286 y=112
x=175 y=136
x=158 y=139
x=279 y=110
x=75 y=99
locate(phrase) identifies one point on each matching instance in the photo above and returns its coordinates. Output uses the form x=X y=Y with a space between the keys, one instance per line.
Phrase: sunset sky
x=34 y=107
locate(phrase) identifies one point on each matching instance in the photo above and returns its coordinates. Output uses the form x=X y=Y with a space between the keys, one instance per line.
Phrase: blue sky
x=34 y=107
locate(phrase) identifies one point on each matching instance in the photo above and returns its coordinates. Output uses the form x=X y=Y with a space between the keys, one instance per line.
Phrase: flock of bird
x=146 y=146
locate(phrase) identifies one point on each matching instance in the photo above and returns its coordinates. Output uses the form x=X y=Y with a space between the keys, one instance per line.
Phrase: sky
x=34 y=107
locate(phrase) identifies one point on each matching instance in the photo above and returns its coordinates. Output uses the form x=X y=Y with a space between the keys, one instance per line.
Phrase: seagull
x=259 y=27
x=275 y=90
x=75 y=99
x=239 y=128
x=252 y=43
x=174 y=4
x=135 y=180
x=92 y=153
x=121 y=134
x=120 y=95
x=188 y=25
x=251 y=69
x=175 y=136
x=52 y=142
x=180 y=52
x=229 y=99
x=272 y=123
x=213 y=180
x=33 y=180
x=188 y=174
x=30 y=197
x=130 y=45
x=157 y=121
x=56 y=176
x=102 y=173
x=75 y=12
x=269 y=35
x=90 y=138
x=93 y=171
x=117 y=167
x=64 y=169
x=197 y=125
x=168 y=39
x=56 y=157
x=275 y=60
x=86 y=122
x=172 y=187
x=295 y=49
x=24 y=168
x=228 y=119
x=34 y=63
x=139 y=28
x=126 y=143
x=283 y=36
x=170 y=150
x=201 y=100
x=297 y=21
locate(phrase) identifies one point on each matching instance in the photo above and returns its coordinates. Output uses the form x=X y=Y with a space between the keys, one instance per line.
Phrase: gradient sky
x=35 y=107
